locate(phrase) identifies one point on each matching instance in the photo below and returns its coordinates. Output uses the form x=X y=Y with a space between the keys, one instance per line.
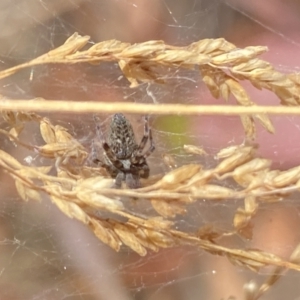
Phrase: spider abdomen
x=121 y=137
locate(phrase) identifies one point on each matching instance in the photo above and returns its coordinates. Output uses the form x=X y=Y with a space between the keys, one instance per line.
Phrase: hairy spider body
x=123 y=157
x=121 y=137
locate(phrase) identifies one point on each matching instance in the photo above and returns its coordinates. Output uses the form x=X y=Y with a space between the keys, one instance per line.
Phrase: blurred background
x=45 y=255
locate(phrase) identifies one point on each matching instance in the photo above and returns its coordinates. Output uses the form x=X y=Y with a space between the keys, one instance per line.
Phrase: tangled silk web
x=164 y=212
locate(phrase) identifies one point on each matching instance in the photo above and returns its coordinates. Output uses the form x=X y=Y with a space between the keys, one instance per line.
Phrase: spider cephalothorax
x=123 y=157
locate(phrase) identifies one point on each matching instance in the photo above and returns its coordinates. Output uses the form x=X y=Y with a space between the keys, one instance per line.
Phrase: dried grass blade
x=8 y=159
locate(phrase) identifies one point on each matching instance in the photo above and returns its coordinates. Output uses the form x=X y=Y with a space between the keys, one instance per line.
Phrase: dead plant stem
x=140 y=108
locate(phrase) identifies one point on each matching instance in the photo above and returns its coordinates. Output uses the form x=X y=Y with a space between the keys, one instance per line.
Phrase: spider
x=123 y=157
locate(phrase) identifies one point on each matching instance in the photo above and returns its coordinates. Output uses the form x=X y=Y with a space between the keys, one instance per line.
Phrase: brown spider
x=123 y=157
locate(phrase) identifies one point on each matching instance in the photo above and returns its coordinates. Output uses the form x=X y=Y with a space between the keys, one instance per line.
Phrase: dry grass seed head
x=139 y=61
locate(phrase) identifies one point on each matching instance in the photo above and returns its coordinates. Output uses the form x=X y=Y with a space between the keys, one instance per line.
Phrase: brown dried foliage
x=77 y=190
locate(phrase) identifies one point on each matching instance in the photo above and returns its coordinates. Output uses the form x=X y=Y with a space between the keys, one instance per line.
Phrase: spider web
x=45 y=255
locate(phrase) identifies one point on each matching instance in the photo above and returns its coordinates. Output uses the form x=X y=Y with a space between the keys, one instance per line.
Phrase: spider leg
x=95 y=158
x=144 y=171
x=111 y=156
x=109 y=153
x=152 y=146
x=94 y=155
x=118 y=181
x=145 y=136
x=132 y=181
